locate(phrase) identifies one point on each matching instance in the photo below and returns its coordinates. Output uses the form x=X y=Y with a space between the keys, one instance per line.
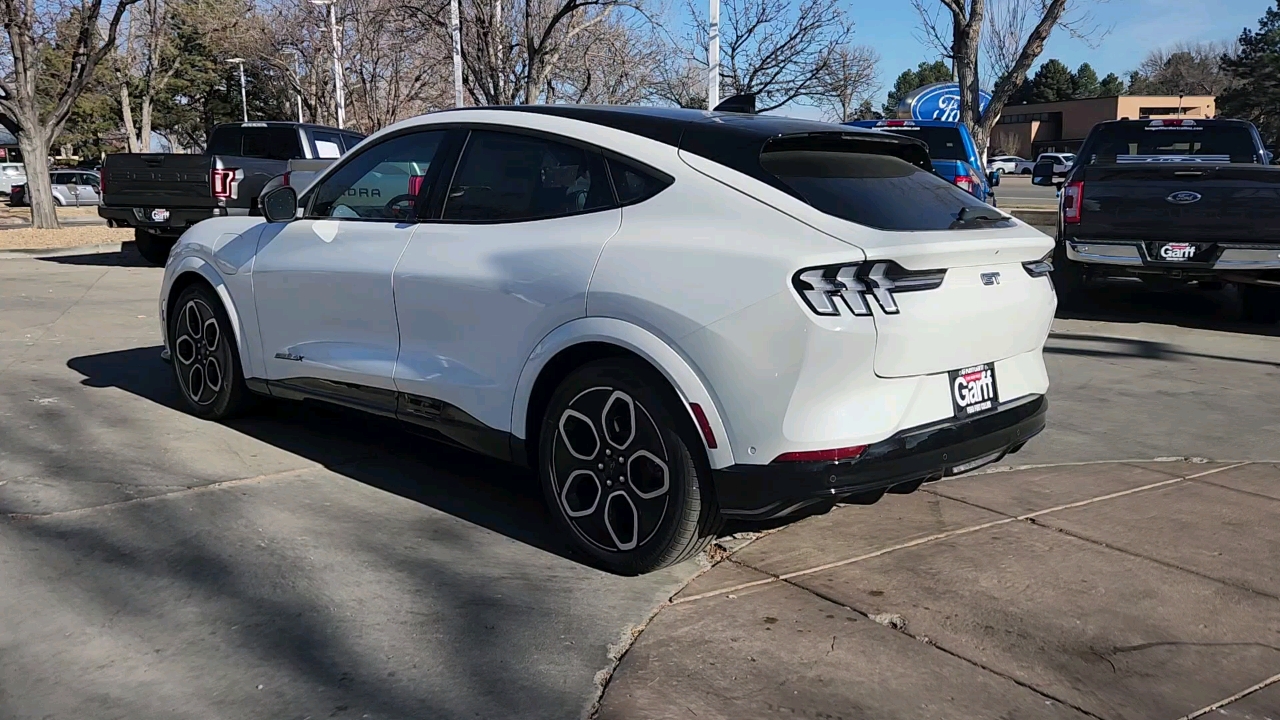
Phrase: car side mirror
x=993 y=178
x=280 y=205
x=1270 y=156
x=1042 y=173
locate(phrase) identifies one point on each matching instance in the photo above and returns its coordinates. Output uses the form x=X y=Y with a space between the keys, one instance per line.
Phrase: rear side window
x=270 y=143
x=633 y=184
x=328 y=144
x=879 y=191
x=504 y=177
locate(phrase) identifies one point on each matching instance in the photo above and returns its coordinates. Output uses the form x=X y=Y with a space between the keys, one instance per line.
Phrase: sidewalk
x=1141 y=591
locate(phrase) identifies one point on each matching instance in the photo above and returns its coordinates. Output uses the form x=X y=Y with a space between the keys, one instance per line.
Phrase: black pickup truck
x=1171 y=201
x=162 y=194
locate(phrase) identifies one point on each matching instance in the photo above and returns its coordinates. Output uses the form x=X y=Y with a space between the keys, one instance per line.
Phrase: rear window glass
x=944 y=143
x=271 y=143
x=1155 y=143
x=879 y=191
x=632 y=184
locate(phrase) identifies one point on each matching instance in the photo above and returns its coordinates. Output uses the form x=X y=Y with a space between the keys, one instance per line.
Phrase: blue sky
x=1136 y=27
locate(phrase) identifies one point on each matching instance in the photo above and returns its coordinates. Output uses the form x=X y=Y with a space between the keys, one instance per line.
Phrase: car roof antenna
x=740 y=103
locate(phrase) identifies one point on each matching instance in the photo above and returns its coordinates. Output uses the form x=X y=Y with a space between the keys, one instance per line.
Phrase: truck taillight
x=220 y=181
x=1072 y=199
x=966 y=182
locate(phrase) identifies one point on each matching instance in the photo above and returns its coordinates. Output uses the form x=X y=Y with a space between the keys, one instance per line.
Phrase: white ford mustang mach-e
x=675 y=317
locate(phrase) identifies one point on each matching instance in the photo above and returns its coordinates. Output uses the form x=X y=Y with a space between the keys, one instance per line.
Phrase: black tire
x=1068 y=276
x=669 y=522
x=153 y=248
x=1025 y=171
x=1261 y=304
x=206 y=363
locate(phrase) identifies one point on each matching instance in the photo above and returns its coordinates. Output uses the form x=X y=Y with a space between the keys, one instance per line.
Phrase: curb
x=59 y=252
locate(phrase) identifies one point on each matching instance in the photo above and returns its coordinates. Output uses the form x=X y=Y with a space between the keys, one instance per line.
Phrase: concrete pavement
x=314 y=563
x=297 y=564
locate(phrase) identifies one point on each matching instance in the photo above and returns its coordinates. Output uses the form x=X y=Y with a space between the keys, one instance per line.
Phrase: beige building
x=1028 y=130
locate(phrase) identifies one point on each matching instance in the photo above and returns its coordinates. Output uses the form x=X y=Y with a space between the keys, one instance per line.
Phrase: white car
x=11 y=174
x=675 y=317
x=1062 y=162
x=1009 y=165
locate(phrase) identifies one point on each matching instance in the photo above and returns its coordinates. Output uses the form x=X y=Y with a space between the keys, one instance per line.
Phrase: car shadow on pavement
x=127 y=256
x=498 y=496
x=1130 y=302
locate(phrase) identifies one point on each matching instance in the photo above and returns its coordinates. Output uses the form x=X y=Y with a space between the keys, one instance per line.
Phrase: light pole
x=713 y=56
x=244 y=102
x=456 y=31
x=297 y=74
x=338 y=95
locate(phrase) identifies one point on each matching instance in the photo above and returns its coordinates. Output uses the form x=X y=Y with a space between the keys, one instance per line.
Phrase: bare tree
x=32 y=106
x=955 y=28
x=1184 y=69
x=617 y=63
x=146 y=61
x=771 y=48
x=849 y=79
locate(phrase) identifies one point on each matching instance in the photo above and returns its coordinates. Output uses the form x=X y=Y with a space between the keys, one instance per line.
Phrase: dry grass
x=31 y=239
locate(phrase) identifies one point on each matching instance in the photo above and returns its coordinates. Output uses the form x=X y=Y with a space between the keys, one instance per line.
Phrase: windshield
x=944 y=143
x=1164 y=143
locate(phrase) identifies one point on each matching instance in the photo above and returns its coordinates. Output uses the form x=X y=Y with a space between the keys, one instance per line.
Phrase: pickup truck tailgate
x=1180 y=201
x=157 y=181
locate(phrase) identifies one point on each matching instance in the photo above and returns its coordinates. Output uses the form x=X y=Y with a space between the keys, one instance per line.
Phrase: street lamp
x=338 y=95
x=297 y=74
x=244 y=102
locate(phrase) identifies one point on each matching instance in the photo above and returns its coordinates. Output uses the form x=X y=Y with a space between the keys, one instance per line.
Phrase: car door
x=87 y=189
x=508 y=260
x=322 y=283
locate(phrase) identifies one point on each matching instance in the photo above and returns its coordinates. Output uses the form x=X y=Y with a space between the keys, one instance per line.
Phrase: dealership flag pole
x=456 y=32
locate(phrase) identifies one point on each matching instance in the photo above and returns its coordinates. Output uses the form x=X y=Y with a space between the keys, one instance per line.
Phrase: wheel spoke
x=191 y=316
x=581 y=485
x=211 y=334
x=574 y=429
x=195 y=383
x=622 y=520
x=184 y=349
x=213 y=374
x=619 y=420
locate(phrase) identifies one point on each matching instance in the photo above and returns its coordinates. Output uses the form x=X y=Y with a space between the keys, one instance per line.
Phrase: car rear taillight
x=1072 y=199
x=826 y=289
x=220 y=182
x=285 y=179
x=966 y=182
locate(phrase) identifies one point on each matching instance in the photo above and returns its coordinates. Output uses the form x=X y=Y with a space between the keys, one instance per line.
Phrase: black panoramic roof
x=668 y=125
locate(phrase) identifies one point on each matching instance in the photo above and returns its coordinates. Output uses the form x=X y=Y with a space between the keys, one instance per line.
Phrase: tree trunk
x=126 y=110
x=35 y=156
x=144 y=136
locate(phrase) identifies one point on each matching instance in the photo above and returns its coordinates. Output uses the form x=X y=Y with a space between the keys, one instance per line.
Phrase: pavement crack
x=833 y=645
x=1105 y=658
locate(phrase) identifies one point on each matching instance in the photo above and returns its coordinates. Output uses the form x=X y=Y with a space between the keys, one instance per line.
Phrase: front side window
x=383 y=182
x=504 y=177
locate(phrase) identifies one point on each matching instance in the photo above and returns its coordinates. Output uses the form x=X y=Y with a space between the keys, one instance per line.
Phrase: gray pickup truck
x=160 y=195
x=1171 y=202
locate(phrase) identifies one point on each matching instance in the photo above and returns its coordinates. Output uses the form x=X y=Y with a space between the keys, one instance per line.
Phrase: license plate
x=973 y=390
x=1177 y=252
x=159 y=215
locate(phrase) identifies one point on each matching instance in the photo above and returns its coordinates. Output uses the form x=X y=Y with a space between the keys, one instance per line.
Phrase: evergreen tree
x=1255 y=94
x=1111 y=85
x=924 y=74
x=866 y=111
x=1053 y=82
x=1084 y=82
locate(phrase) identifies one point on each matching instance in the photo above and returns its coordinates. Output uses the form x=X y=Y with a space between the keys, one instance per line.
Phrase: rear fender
x=687 y=383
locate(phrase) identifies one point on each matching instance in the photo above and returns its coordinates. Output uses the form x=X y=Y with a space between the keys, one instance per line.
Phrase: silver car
x=70 y=188
x=11 y=174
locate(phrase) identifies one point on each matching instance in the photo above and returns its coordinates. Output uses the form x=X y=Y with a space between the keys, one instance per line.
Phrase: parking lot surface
x=309 y=562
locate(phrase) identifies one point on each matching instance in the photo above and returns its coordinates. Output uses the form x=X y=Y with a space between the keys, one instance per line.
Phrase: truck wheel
x=1261 y=304
x=1068 y=276
x=153 y=248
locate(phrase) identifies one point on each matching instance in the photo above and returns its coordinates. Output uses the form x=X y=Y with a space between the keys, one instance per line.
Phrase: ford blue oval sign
x=939 y=101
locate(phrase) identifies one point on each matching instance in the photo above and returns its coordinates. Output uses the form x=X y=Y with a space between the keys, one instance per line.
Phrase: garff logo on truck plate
x=1177 y=251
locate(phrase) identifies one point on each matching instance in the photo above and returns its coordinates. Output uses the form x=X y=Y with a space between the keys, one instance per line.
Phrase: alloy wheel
x=202 y=354
x=610 y=469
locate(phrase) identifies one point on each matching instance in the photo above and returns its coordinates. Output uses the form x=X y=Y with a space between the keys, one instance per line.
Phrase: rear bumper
x=179 y=218
x=1209 y=256
x=765 y=492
